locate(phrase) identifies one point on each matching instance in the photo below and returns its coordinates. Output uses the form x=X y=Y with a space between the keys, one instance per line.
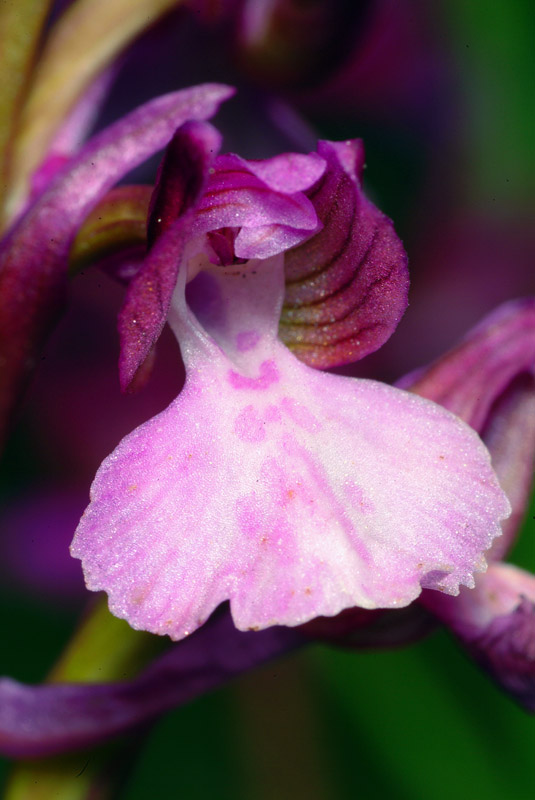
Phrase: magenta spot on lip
x=247 y=340
x=300 y=414
x=272 y=414
x=268 y=375
x=249 y=425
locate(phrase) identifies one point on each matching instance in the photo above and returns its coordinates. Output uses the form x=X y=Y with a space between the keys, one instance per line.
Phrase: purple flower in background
x=496 y=623
x=291 y=492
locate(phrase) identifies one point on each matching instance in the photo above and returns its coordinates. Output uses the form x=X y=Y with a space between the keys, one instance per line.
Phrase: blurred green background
x=421 y=722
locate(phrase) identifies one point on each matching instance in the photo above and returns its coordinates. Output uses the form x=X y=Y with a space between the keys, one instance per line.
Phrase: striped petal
x=346 y=288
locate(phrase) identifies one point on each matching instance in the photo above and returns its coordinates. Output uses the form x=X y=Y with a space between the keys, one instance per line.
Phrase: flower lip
x=291 y=492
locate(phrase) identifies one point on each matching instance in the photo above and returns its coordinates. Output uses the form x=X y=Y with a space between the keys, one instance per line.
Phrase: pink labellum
x=290 y=492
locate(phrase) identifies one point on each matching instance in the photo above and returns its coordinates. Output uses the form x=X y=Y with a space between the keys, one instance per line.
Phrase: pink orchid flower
x=290 y=492
x=496 y=620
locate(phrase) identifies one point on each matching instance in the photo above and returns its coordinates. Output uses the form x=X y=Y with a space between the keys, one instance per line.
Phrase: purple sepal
x=37 y=721
x=510 y=438
x=346 y=288
x=181 y=176
x=468 y=379
x=496 y=623
x=181 y=181
x=33 y=258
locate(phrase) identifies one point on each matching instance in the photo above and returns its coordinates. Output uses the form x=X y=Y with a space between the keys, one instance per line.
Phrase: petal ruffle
x=346 y=288
x=489 y=381
x=288 y=491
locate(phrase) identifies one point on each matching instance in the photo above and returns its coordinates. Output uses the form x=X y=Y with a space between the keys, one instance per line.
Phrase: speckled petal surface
x=291 y=492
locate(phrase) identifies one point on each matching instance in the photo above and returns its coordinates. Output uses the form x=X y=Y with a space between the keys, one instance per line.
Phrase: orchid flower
x=290 y=492
x=272 y=502
x=60 y=717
